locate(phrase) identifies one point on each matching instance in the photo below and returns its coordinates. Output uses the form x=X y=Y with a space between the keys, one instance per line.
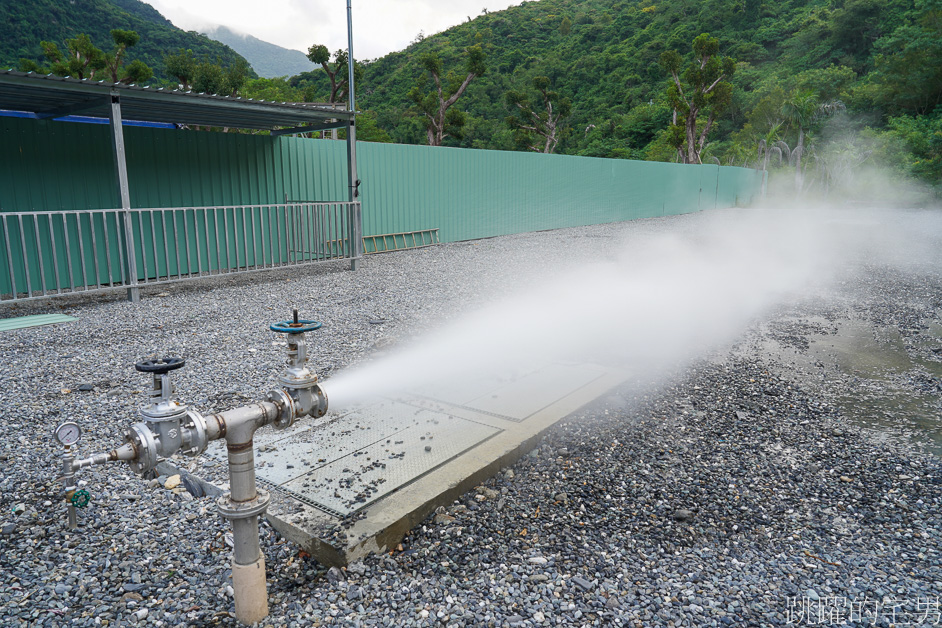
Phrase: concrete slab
x=349 y=485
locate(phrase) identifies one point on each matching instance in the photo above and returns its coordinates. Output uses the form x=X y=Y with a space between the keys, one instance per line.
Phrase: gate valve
x=79 y=498
x=169 y=426
x=295 y=326
x=301 y=394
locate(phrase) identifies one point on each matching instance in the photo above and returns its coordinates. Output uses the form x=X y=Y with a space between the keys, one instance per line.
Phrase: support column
x=356 y=213
x=121 y=170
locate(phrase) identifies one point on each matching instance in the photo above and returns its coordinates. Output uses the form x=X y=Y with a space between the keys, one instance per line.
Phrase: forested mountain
x=872 y=68
x=812 y=88
x=267 y=59
x=29 y=22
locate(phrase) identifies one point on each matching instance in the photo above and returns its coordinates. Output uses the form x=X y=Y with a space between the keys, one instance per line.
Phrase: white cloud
x=379 y=26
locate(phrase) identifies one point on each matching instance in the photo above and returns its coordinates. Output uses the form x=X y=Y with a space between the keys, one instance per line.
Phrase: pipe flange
x=140 y=437
x=195 y=426
x=287 y=409
x=320 y=405
x=229 y=509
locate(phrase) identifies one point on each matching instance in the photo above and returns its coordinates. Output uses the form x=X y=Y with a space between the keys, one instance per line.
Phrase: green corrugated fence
x=465 y=194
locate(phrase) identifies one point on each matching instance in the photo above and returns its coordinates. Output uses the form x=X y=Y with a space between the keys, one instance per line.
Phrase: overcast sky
x=379 y=26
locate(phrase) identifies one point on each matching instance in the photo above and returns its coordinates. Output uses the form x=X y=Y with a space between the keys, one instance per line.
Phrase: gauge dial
x=68 y=433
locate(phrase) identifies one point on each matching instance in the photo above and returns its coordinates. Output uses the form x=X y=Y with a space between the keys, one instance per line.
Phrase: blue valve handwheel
x=290 y=327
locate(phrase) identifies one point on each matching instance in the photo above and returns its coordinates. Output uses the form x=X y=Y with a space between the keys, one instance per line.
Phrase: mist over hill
x=267 y=59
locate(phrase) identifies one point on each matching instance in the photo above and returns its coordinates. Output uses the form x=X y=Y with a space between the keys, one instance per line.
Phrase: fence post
x=121 y=169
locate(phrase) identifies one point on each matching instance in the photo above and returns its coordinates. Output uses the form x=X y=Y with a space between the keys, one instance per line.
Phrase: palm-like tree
x=799 y=110
x=802 y=110
x=766 y=148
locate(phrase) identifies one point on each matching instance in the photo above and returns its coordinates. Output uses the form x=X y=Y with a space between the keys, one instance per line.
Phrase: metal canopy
x=54 y=96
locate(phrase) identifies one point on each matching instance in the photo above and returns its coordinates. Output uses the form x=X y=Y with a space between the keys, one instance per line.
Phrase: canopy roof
x=50 y=97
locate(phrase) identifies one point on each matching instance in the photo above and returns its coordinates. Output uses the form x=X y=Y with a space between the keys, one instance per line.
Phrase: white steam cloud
x=665 y=299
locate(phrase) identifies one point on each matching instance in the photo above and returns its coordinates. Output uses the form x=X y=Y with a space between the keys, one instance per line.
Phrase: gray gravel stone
x=745 y=438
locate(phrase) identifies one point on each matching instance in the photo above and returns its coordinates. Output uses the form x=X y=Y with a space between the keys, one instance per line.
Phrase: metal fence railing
x=68 y=252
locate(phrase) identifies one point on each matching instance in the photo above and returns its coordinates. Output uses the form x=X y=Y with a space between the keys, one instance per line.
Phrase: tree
x=182 y=67
x=565 y=27
x=435 y=105
x=802 y=110
x=767 y=148
x=337 y=72
x=84 y=59
x=212 y=78
x=908 y=64
x=539 y=119
x=122 y=41
x=699 y=90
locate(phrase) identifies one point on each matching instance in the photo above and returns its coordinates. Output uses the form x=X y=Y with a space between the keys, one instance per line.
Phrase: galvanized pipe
x=169 y=427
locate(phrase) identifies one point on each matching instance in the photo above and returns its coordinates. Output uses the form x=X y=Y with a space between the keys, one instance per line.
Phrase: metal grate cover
x=348 y=463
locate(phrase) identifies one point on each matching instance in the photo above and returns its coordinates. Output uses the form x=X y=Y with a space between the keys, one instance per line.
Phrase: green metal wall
x=466 y=194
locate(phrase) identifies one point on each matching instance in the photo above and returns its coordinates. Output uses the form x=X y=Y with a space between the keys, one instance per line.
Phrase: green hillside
x=879 y=60
x=32 y=21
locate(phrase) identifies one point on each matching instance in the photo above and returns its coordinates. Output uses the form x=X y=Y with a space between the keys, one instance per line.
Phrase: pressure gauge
x=68 y=433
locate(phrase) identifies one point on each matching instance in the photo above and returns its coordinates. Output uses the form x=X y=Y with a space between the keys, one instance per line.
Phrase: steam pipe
x=170 y=427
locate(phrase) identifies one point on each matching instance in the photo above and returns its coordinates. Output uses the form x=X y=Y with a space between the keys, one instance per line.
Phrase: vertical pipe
x=163 y=231
x=186 y=244
x=68 y=251
x=271 y=242
x=255 y=246
x=29 y=284
x=104 y=226
x=225 y=235
x=287 y=246
x=78 y=230
x=121 y=170
x=140 y=231
x=9 y=247
x=52 y=245
x=355 y=226
x=248 y=562
x=216 y=239
x=91 y=227
x=39 y=253
x=176 y=245
x=245 y=238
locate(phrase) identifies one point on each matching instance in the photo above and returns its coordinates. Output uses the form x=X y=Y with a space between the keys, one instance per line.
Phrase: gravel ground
x=737 y=493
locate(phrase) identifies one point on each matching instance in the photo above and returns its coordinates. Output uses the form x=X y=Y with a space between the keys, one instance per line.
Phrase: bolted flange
x=142 y=440
x=229 y=509
x=193 y=429
x=286 y=406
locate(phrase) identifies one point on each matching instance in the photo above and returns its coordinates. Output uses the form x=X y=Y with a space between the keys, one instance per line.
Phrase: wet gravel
x=737 y=494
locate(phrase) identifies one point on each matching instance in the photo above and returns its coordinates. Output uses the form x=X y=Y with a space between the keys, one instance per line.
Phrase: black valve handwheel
x=160 y=365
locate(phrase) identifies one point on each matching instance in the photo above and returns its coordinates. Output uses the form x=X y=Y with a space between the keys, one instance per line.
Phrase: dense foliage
x=814 y=89
x=29 y=22
x=871 y=71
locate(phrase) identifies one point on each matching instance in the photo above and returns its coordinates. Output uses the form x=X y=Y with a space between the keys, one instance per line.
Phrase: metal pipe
x=68 y=478
x=169 y=427
x=355 y=227
x=244 y=504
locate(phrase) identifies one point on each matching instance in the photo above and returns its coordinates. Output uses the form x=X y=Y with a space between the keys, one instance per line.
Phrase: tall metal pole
x=121 y=170
x=356 y=213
